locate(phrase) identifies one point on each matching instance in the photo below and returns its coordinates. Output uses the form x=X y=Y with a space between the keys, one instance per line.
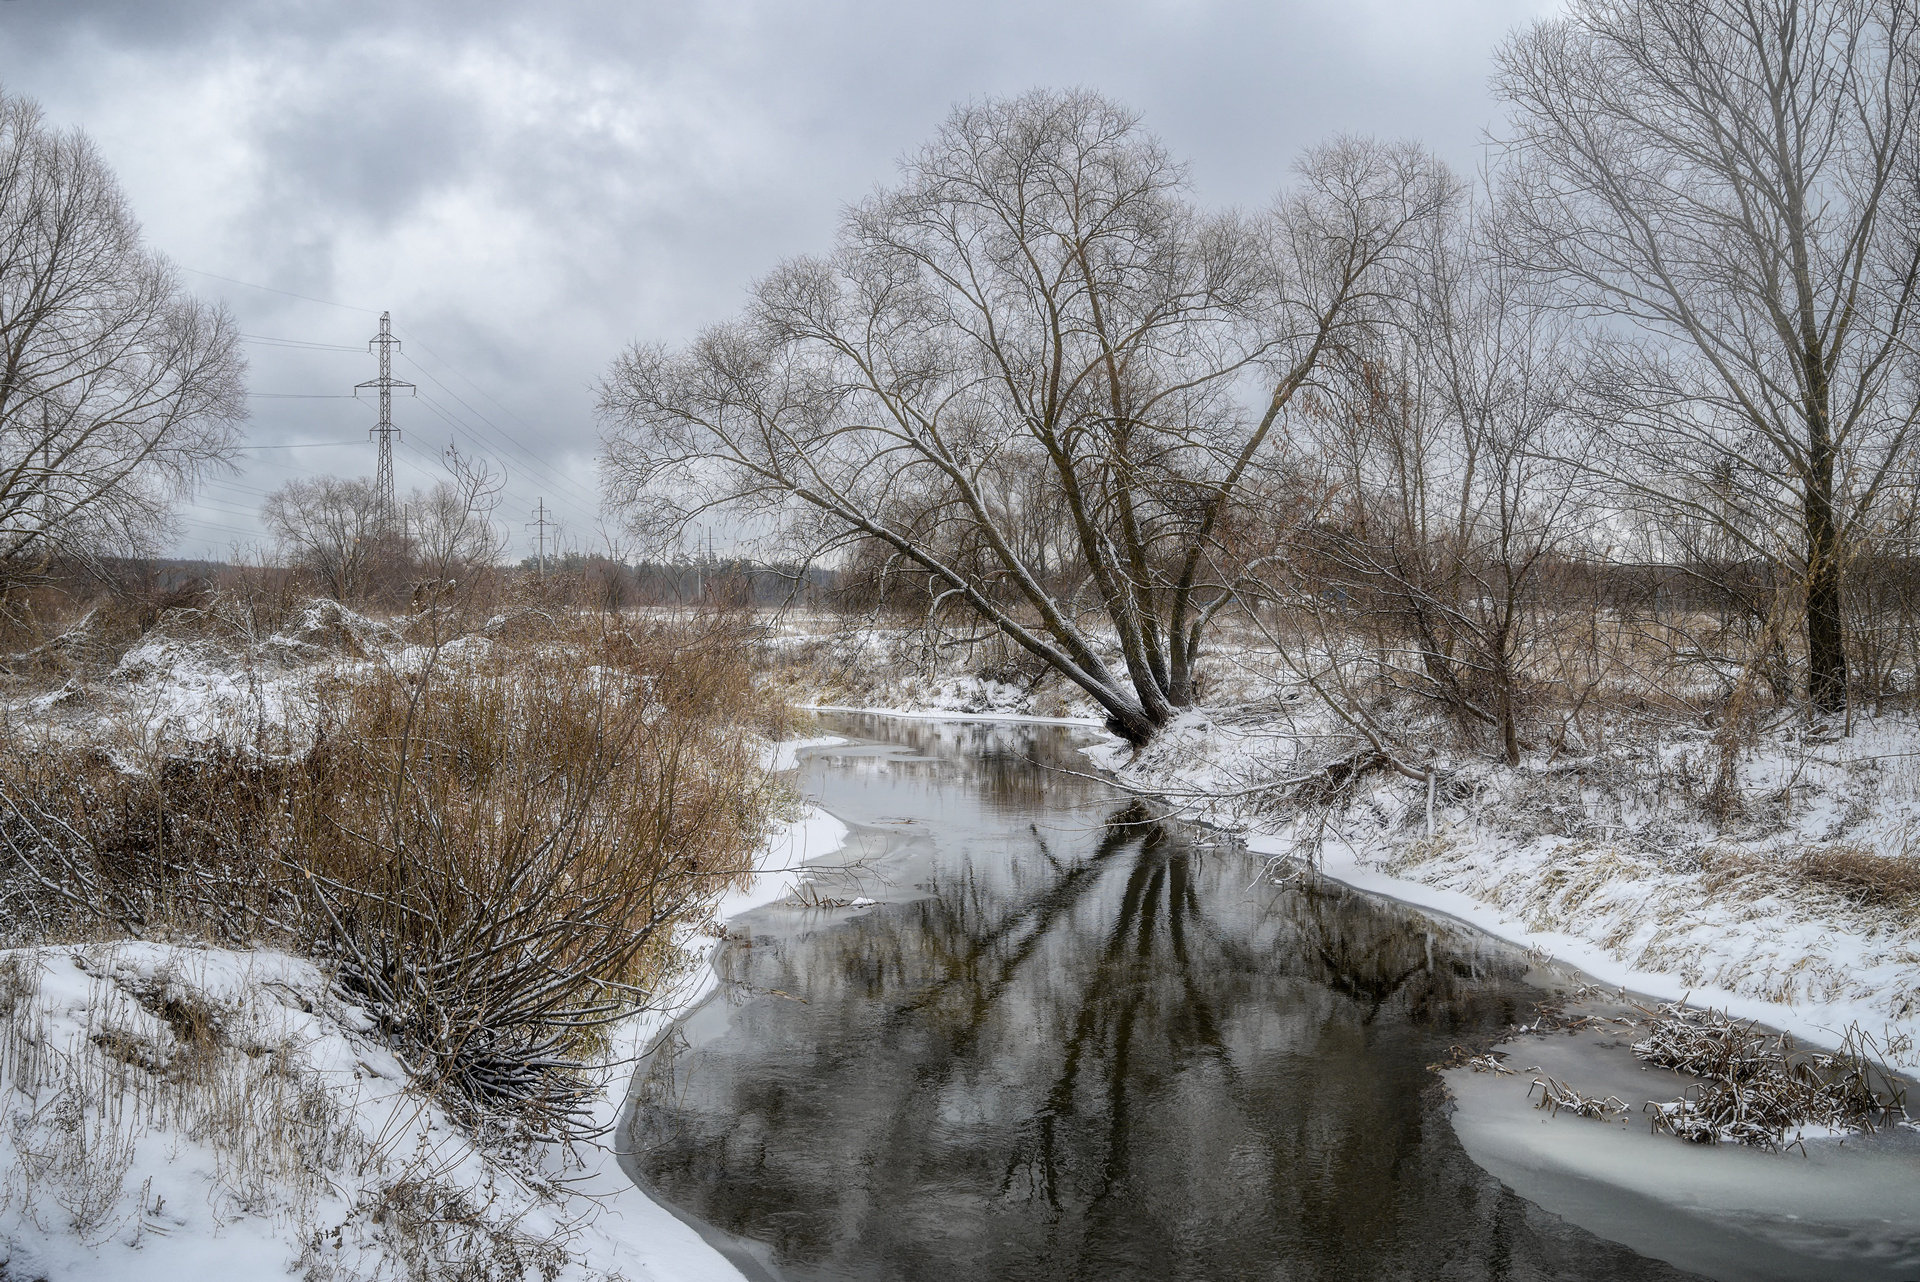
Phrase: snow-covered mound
x=197 y=1112
x=175 y=1111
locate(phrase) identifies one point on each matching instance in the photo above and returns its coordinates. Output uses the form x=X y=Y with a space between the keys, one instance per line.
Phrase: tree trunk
x=1826 y=625
x=1826 y=633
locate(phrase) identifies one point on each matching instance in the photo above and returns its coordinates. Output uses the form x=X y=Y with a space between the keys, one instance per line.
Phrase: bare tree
x=117 y=391
x=451 y=527
x=1036 y=295
x=332 y=526
x=1733 y=179
x=1442 y=444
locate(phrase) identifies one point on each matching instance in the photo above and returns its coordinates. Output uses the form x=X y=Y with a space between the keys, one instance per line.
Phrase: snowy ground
x=168 y=1111
x=177 y=1111
x=171 y=1111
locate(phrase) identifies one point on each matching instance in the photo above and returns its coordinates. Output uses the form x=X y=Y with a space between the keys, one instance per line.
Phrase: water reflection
x=1088 y=1049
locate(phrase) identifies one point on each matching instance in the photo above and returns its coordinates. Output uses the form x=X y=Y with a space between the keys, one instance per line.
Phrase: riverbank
x=199 y=1084
x=1782 y=886
x=1606 y=865
x=190 y=1112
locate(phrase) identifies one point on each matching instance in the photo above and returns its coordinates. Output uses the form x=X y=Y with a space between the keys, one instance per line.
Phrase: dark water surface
x=1074 y=1043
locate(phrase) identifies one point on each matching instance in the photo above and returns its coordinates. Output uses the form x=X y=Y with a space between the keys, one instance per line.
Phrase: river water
x=1068 y=1041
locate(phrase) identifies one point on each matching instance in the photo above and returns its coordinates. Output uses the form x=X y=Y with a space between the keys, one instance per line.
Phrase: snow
x=785 y=755
x=1619 y=878
x=175 y=1111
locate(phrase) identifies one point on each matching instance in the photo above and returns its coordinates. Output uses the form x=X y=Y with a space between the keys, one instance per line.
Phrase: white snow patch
x=170 y=1111
x=785 y=754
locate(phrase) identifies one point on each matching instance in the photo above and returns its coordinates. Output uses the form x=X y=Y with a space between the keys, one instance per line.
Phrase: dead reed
x=1559 y=1097
x=1866 y=878
x=1756 y=1087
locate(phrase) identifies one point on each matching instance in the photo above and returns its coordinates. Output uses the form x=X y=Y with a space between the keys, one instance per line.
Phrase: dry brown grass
x=1865 y=877
x=492 y=840
x=498 y=847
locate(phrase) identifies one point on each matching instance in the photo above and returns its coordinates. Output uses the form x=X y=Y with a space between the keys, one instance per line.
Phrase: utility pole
x=540 y=524
x=385 y=430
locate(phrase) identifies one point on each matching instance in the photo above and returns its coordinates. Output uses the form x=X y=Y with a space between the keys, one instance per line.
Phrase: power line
x=303 y=396
x=582 y=494
x=496 y=436
x=234 y=280
x=216 y=525
x=206 y=505
x=301 y=445
x=506 y=437
x=480 y=445
x=455 y=370
x=540 y=522
x=299 y=344
x=234 y=487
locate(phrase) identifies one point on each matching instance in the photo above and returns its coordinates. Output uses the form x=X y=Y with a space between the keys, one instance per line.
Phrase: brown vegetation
x=490 y=837
x=1755 y=1087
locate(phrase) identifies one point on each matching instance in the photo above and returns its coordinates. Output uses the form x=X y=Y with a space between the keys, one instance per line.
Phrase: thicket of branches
x=1626 y=423
x=335 y=531
x=117 y=390
x=1033 y=351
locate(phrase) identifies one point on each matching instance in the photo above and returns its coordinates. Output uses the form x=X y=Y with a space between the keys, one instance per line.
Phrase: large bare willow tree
x=1728 y=185
x=116 y=389
x=1037 y=297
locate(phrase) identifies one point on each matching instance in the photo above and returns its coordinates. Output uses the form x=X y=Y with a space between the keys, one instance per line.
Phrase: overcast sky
x=529 y=188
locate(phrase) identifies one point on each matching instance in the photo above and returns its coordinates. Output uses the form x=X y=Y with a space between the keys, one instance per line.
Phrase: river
x=1068 y=1040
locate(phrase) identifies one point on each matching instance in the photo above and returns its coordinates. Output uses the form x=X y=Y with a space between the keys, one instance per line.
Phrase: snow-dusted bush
x=165 y=1100
x=489 y=841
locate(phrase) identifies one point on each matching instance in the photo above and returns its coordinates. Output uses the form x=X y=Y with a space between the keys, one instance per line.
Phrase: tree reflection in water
x=1097 y=1052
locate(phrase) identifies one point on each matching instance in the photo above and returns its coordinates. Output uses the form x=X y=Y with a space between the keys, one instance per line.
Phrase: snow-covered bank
x=624 y=1231
x=1750 y=951
x=177 y=1111
x=1614 y=864
x=1606 y=866
x=183 y=1112
x=1655 y=860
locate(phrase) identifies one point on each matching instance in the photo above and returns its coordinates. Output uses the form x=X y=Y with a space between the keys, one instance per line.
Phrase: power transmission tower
x=385 y=430
x=540 y=524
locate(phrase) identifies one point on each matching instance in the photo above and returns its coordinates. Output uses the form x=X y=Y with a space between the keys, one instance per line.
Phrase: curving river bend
x=1071 y=1042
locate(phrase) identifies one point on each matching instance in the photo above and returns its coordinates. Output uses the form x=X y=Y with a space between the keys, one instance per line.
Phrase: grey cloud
x=530 y=188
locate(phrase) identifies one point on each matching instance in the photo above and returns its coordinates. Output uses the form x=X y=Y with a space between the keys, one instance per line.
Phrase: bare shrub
x=1756 y=1086
x=496 y=852
x=491 y=841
